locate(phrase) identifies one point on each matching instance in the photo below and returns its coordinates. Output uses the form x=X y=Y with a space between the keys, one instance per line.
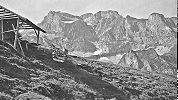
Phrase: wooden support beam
x=9 y=31
x=21 y=49
x=2 y=30
x=16 y=33
x=5 y=13
x=8 y=17
x=15 y=41
x=20 y=24
x=25 y=28
x=35 y=32
x=38 y=37
x=24 y=23
x=1 y=10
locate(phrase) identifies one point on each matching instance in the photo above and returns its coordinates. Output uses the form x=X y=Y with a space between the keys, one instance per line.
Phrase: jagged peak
x=52 y=12
x=156 y=16
x=133 y=18
x=107 y=13
x=61 y=13
x=130 y=17
x=86 y=15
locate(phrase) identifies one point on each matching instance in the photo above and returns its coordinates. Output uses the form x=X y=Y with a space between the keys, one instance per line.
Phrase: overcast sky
x=35 y=10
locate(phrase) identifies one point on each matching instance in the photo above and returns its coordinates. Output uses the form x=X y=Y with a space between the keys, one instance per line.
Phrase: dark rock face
x=110 y=30
x=109 y=27
x=135 y=29
x=151 y=32
x=160 y=30
x=70 y=31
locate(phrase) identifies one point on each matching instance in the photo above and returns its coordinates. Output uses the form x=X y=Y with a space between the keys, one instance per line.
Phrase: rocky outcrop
x=110 y=29
x=152 y=32
x=149 y=60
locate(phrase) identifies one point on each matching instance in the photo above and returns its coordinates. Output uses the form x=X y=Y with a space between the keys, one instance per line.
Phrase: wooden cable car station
x=11 y=23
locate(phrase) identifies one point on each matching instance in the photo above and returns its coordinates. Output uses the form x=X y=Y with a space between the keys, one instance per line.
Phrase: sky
x=36 y=10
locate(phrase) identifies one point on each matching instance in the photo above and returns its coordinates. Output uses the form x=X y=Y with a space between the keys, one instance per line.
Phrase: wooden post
x=16 y=33
x=16 y=30
x=20 y=47
x=2 y=31
x=38 y=37
x=35 y=32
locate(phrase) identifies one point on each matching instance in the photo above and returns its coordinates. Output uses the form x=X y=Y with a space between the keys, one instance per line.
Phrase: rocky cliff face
x=70 y=31
x=109 y=27
x=157 y=33
x=149 y=60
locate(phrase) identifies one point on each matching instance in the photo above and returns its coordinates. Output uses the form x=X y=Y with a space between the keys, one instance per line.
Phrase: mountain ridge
x=108 y=34
x=111 y=34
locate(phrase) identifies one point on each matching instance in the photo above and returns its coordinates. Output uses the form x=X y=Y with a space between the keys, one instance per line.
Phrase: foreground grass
x=21 y=77
x=140 y=85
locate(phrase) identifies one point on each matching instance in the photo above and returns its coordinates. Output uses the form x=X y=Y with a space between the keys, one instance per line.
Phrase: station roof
x=24 y=22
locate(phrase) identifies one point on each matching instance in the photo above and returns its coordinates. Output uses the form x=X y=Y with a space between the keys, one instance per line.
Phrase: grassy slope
x=18 y=76
x=22 y=78
x=78 y=78
x=140 y=85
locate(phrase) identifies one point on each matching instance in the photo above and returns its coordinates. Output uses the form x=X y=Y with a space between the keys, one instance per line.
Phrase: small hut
x=11 y=23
